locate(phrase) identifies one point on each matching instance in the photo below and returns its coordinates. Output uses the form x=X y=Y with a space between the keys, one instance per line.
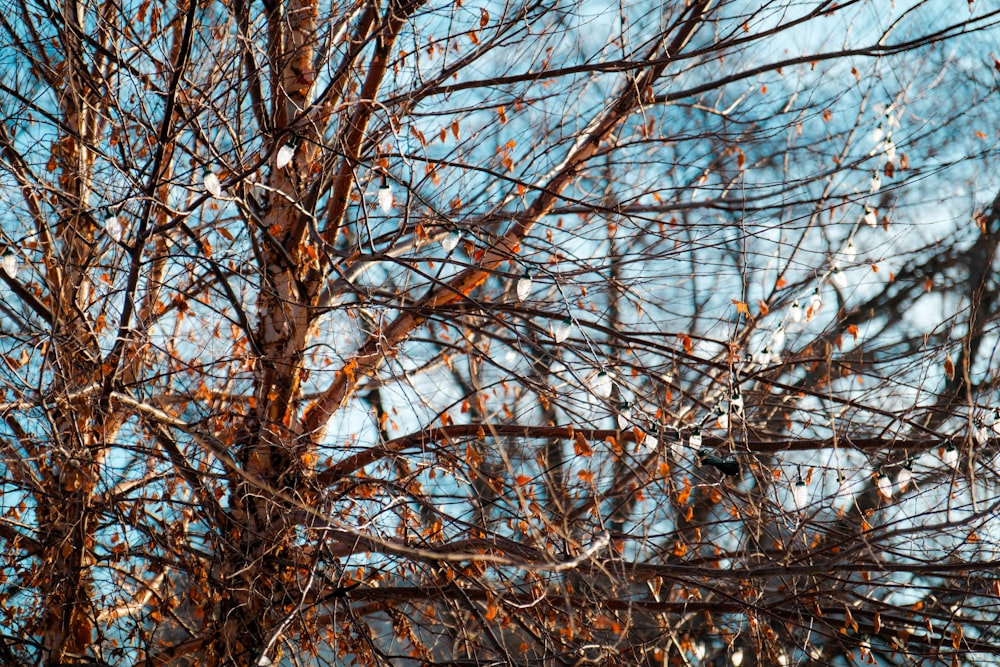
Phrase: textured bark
x=66 y=512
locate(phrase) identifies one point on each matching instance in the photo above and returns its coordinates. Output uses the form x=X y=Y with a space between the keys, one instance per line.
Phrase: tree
x=540 y=333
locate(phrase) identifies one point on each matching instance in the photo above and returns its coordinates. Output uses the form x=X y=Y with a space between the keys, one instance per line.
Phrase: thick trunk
x=262 y=569
x=67 y=518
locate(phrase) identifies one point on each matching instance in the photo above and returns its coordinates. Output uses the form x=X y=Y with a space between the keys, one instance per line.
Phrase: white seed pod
x=884 y=485
x=695 y=440
x=450 y=240
x=904 y=478
x=800 y=493
x=113 y=227
x=871 y=217
x=211 y=182
x=10 y=263
x=563 y=330
x=950 y=455
x=850 y=251
x=524 y=286
x=876 y=183
x=285 y=155
x=795 y=312
x=601 y=384
x=384 y=196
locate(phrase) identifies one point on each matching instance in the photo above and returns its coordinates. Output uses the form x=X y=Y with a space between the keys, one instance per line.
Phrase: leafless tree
x=540 y=333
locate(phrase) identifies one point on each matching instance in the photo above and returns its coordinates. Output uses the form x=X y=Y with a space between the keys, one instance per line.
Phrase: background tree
x=486 y=333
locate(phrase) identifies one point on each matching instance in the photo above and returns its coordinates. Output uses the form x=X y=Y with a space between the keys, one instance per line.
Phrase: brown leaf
x=741 y=308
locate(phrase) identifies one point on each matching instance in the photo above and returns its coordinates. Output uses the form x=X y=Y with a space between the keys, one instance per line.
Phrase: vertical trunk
x=261 y=566
x=80 y=429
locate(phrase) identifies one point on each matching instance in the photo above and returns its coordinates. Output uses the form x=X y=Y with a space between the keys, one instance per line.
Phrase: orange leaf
x=741 y=308
x=350 y=369
x=686 y=341
x=419 y=135
x=853 y=330
x=849 y=620
x=949 y=367
x=581 y=446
